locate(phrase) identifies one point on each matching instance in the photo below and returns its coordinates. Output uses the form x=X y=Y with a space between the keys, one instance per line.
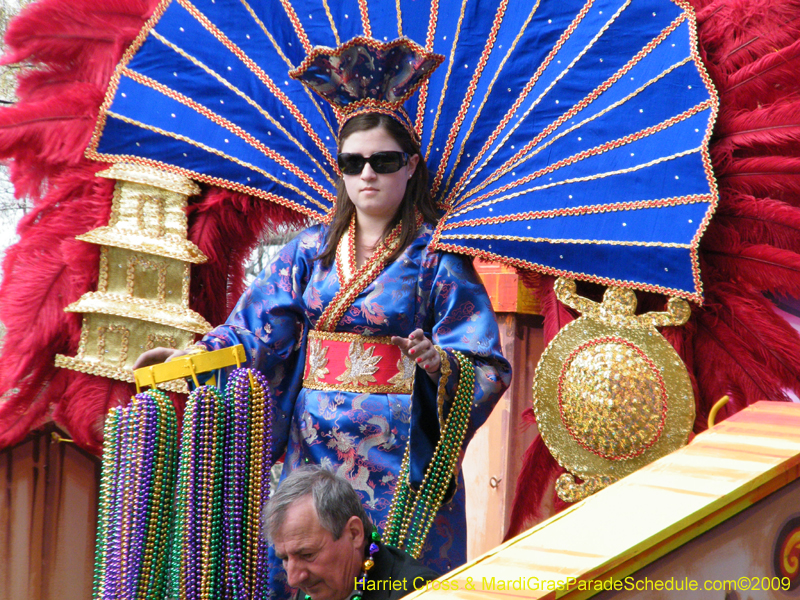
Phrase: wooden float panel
x=641 y=518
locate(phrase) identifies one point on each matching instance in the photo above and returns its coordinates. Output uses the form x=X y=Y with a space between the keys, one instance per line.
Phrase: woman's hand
x=421 y=350
x=157 y=356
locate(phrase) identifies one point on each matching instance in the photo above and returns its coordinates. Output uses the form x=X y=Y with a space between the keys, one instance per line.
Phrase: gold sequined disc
x=610 y=399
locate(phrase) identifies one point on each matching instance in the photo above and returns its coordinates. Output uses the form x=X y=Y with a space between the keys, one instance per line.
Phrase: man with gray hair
x=329 y=547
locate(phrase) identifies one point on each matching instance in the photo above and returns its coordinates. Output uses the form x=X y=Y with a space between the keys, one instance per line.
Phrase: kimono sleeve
x=270 y=321
x=459 y=316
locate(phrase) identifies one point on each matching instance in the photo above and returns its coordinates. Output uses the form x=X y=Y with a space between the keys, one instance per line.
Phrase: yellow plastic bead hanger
x=189 y=366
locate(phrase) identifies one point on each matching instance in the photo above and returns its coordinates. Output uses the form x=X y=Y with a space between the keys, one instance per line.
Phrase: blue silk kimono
x=362 y=436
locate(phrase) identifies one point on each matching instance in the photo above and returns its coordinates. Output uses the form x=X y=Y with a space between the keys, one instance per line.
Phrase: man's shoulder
x=397 y=574
x=403 y=560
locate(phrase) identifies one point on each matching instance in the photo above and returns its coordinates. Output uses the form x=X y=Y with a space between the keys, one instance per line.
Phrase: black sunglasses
x=381 y=162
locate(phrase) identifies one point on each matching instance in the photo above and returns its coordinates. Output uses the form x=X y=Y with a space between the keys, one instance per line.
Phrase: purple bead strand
x=190 y=557
x=236 y=480
x=145 y=451
x=262 y=570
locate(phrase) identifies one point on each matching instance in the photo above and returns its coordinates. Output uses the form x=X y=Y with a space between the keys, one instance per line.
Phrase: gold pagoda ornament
x=142 y=297
x=610 y=393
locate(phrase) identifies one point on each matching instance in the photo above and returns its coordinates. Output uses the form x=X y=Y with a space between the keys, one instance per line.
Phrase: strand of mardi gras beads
x=247 y=464
x=135 y=498
x=134 y=504
x=144 y=477
x=153 y=580
x=154 y=549
x=107 y=487
x=210 y=457
x=125 y=502
x=183 y=495
x=123 y=510
x=265 y=446
x=412 y=514
x=236 y=401
x=441 y=471
x=204 y=490
x=253 y=490
x=215 y=543
x=154 y=415
x=260 y=458
x=196 y=560
x=166 y=514
x=191 y=559
x=145 y=423
x=399 y=517
x=185 y=576
x=114 y=531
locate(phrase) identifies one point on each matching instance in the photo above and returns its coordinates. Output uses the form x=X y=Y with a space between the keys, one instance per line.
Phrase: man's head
x=319 y=529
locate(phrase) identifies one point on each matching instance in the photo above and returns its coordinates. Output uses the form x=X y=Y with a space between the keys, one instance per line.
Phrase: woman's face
x=376 y=196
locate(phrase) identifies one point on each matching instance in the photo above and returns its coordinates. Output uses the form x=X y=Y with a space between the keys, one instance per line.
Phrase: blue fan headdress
x=568 y=137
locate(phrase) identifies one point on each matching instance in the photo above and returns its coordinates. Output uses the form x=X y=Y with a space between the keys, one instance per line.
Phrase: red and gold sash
x=356 y=363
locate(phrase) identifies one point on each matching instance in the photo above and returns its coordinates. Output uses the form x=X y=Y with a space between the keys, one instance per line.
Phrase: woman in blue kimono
x=355 y=324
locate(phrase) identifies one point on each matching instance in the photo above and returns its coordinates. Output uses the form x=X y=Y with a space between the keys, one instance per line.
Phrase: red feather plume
x=764 y=335
x=768 y=268
x=765 y=80
x=749 y=30
x=776 y=176
x=227 y=226
x=536 y=484
x=749 y=132
x=765 y=221
x=556 y=315
x=76 y=46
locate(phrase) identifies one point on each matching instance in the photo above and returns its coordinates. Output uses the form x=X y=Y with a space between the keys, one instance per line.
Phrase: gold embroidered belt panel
x=350 y=362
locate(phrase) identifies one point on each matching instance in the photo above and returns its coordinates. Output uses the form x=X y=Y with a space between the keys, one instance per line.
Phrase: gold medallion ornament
x=610 y=393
